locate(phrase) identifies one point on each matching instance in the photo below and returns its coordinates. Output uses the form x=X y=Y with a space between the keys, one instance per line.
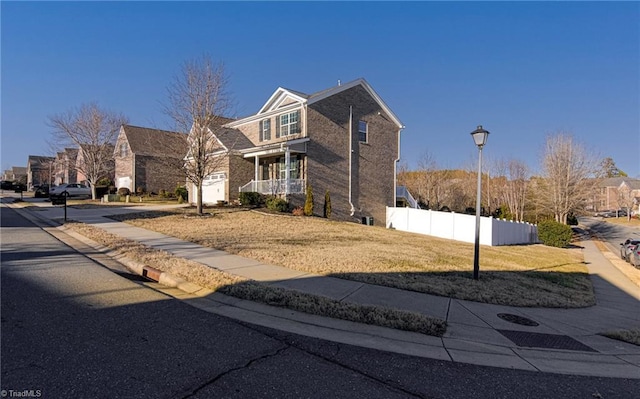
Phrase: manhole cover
x=546 y=341
x=514 y=318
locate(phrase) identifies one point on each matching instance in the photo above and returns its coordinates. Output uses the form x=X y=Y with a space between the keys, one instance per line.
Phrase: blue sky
x=524 y=70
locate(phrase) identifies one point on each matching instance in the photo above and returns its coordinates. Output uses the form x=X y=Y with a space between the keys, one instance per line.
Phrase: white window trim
x=266 y=129
x=289 y=124
x=366 y=132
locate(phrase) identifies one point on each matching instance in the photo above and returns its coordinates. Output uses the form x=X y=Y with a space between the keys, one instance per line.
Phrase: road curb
x=625 y=268
x=453 y=349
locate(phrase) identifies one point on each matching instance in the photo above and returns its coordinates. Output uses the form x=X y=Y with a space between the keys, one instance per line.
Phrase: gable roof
x=278 y=101
x=70 y=153
x=633 y=184
x=38 y=160
x=154 y=142
x=19 y=170
x=321 y=95
x=613 y=181
x=232 y=139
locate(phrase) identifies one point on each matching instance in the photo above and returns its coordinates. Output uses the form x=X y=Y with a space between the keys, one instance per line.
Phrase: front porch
x=275 y=187
x=279 y=168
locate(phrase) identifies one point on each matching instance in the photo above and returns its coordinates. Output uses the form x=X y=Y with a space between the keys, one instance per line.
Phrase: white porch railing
x=291 y=186
x=402 y=192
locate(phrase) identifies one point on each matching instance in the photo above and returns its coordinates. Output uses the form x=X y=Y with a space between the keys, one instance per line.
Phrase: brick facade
x=373 y=163
x=321 y=148
x=149 y=159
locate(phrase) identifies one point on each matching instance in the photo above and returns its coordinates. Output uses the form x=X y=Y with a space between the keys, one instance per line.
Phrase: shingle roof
x=633 y=184
x=153 y=142
x=72 y=153
x=612 y=181
x=37 y=160
x=233 y=139
x=297 y=93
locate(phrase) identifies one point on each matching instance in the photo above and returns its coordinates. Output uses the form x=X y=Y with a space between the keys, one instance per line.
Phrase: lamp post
x=480 y=138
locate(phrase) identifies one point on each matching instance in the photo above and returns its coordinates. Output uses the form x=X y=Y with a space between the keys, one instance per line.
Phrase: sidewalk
x=564 y=341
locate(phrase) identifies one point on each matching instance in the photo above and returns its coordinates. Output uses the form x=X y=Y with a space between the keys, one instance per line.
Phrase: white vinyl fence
x=461 y=227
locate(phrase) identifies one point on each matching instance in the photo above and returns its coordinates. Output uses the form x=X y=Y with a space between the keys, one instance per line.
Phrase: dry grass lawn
x=631 y=336
x=531 y=275
x=254 y=291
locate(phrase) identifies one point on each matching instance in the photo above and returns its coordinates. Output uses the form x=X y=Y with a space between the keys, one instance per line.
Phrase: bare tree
x=626 y=198
x=93 y=131
x=198 y=101
x=511 y=185
x=567 y=170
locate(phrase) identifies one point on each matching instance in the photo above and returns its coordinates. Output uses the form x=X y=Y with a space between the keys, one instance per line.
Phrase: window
x=294 y=168
x=265 y=130
x=289 y=123
x=124 y=150
x=363 y=131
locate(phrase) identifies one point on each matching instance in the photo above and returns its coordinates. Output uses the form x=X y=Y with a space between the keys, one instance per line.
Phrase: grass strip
x=243 y=288
x=631 y=336
x=518 y=275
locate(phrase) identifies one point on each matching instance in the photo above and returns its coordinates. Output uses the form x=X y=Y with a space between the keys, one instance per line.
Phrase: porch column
x=287 y=171
x=256 y=166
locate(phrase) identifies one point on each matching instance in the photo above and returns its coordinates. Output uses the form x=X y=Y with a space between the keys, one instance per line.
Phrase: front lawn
x=530 y=275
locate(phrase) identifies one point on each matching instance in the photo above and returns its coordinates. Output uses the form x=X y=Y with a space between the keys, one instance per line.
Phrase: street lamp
x=480 y=138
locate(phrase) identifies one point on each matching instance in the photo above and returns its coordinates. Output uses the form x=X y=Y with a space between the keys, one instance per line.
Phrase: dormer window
x=288 y=124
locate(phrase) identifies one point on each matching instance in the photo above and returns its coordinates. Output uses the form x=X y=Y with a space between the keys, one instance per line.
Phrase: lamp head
x=480 y=136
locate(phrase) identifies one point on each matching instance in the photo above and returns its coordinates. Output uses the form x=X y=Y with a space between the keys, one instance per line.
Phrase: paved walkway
x=564 y=341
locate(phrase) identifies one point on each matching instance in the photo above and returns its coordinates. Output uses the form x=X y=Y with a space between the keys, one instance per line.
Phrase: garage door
x=213 y=188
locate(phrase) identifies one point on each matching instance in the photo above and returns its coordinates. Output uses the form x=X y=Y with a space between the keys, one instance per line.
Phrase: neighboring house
x=229 y=171
x=629 y=194
x=65 y=166
x=93 y=157
x=39 y=170
x=149 y=159
x=344 y=140
x=16 y=173
x=609 y=190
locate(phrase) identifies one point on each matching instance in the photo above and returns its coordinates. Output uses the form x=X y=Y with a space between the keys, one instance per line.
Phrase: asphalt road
x=72 y=328
x=613 y=234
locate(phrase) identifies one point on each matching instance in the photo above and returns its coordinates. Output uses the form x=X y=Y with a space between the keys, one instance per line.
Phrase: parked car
x=625 y=248
x=42 y=191
x=19 y=187
x=6 y=185
x=74 y=190
x=604 y=214
x=634 y=255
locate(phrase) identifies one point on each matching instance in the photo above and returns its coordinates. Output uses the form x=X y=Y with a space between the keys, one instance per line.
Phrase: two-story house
x=65 y=166
x=344 y=140
x=94 y=160
x=39 y=170
x=16 y=173
x=149 y=159
x=615 y=192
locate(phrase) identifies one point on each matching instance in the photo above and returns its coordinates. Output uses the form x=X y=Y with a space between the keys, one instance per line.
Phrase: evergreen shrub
x=554 y=234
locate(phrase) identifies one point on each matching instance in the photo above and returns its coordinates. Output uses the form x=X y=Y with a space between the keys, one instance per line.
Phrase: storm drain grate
x=514 y=318
x=545 y=341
